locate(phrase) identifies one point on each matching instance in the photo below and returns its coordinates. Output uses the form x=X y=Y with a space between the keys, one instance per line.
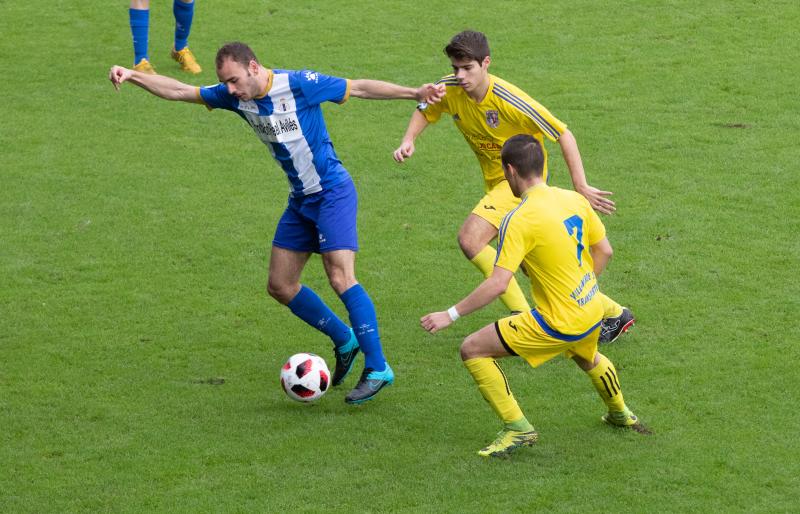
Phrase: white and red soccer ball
x=305 y=377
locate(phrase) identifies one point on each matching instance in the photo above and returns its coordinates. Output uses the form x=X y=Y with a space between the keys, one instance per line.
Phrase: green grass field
x=139 y=352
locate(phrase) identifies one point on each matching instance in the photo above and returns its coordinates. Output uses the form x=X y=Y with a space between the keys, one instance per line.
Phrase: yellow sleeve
x=512 y=244
x=528 y=112
x=550 y=126
x=433 y=112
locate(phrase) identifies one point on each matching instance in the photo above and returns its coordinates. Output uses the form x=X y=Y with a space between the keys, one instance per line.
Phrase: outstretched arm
x=416 y=125
x=597 y=198
x=487 y=291
x=379 y=90
x=159 y=85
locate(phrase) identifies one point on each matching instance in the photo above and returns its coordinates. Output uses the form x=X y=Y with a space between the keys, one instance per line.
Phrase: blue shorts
x=320 y=222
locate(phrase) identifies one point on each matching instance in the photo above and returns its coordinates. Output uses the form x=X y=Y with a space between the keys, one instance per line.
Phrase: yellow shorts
x=529 y=336
x=495 y=204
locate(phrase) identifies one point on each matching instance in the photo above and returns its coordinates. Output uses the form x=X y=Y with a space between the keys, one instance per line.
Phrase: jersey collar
x=533 y=189
x=268 y=86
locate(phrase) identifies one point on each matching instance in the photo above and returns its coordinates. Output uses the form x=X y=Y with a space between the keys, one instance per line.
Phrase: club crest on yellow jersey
x=493 y=119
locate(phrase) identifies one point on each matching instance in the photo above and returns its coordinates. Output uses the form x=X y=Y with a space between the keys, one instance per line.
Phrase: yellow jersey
x=505 y=111
x=551 y=231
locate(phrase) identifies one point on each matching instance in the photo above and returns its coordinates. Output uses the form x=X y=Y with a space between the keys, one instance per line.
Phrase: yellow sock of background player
x=604 y=378
x=493 y=385
x=513 y=298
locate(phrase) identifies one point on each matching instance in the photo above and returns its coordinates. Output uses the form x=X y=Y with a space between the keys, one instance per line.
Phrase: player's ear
x=486 y=62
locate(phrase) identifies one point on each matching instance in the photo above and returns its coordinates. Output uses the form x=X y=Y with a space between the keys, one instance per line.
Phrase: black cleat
x=370 y=383
x=345 y=358
x=612 y=328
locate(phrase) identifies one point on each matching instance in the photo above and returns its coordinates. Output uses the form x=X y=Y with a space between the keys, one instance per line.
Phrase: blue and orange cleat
x=370 y=383
x=345 y=358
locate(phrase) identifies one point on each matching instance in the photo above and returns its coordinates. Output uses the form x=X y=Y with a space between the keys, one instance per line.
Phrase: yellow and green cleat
x=186 y=59
x=507 y=441
x=626 y=419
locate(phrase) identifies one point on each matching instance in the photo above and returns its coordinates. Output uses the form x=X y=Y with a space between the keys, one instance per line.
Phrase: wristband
x=454 y=315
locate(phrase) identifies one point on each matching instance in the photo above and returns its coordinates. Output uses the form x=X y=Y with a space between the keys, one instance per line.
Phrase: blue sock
x=140 y=25
x=365 y=325
x=309 y=307
x=183 y=22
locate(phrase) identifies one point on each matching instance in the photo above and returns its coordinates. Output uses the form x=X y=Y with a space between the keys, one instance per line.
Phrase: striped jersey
x=504 y=112
x=288 y=119
x=551 y=231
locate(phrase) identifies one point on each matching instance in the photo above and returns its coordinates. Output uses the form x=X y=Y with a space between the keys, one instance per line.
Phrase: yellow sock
x=611 y=309
x=493 y=385
x=604 y=378
x=513 y=298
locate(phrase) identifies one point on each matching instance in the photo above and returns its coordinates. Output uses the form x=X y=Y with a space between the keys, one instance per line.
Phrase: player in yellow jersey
x=563 y=244
x=488 y=110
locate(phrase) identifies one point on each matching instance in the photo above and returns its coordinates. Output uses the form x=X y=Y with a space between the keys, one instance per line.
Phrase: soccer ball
x=305 y=377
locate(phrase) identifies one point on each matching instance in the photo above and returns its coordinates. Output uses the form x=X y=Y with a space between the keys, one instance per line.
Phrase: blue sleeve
x=217 y=97
x=318 y=88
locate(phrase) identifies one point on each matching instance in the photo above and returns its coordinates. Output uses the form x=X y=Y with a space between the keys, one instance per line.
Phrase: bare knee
x=340 y=269
x=474 y=235
x=470 y=349
x=341 y=281
x=282 y=291
x=468 y=245
x=586 y=365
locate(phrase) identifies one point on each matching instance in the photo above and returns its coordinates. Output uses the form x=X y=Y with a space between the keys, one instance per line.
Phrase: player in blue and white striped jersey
x=283 y=108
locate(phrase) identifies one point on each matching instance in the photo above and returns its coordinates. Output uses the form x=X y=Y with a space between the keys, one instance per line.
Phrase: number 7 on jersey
x=574 y=225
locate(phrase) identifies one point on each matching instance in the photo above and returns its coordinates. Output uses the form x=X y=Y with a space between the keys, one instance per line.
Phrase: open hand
x=598 y=199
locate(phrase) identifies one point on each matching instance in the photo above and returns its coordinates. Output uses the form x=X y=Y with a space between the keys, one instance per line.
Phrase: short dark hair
x=523 y=152
x=236 y=52
x=470 y=45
